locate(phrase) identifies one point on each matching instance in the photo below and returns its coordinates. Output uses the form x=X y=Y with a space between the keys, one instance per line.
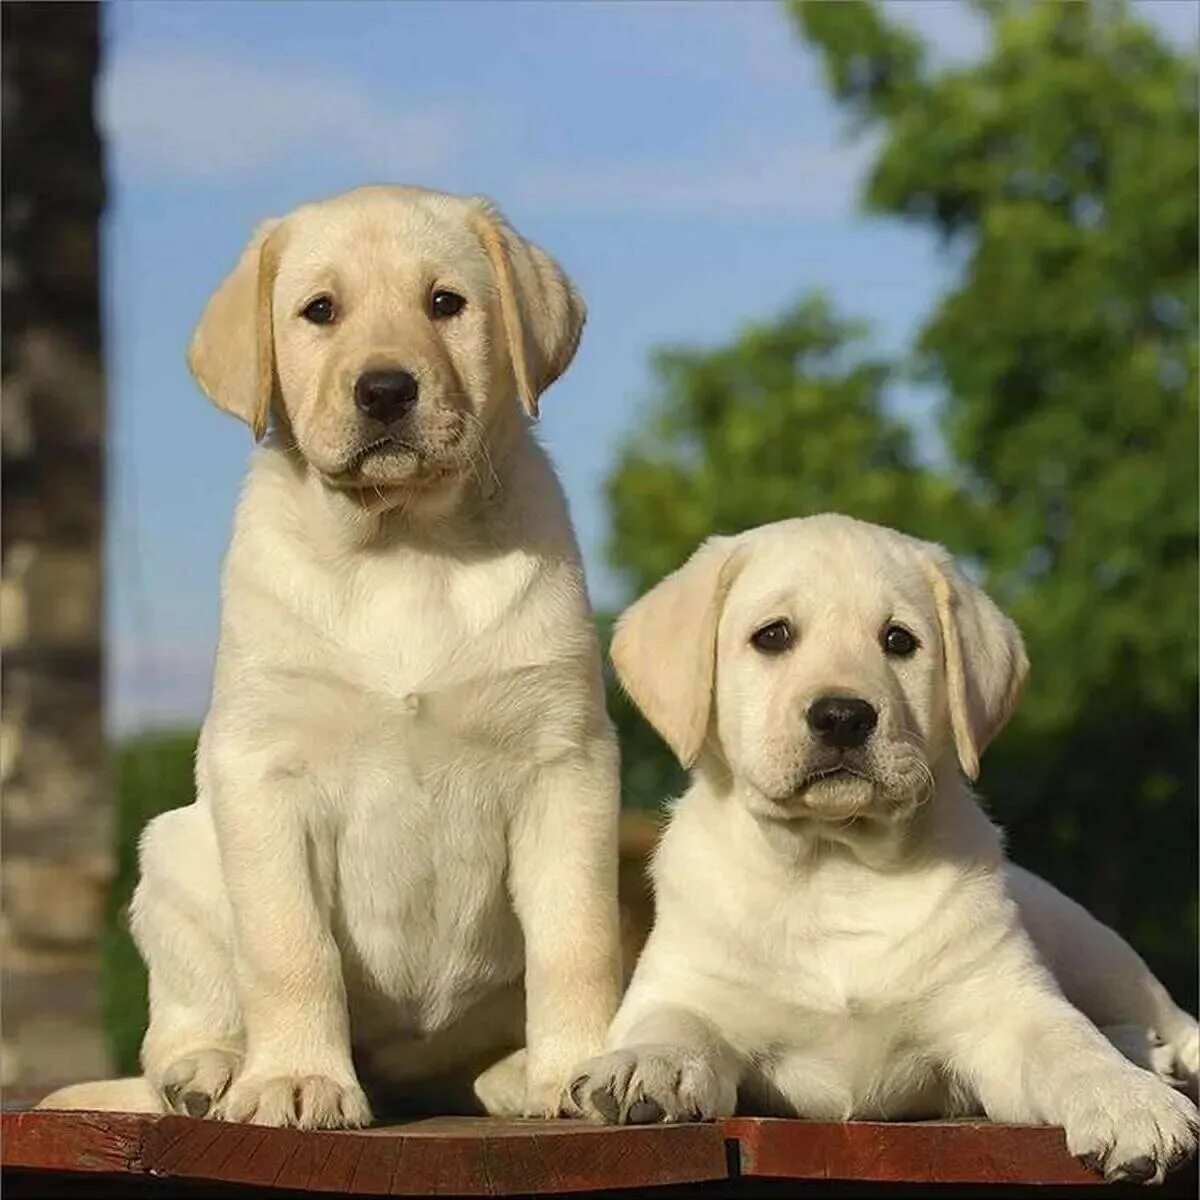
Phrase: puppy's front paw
x=649 y=1084
x=1129 y=1125
x=193 y=1085
x=306 y=1101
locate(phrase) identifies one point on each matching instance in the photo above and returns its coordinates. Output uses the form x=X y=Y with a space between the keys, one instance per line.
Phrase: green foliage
x=787 y=419
x=1061 y=172
x=153 y=773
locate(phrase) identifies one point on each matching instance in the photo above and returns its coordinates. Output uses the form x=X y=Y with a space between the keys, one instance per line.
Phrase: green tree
x=1060 y=170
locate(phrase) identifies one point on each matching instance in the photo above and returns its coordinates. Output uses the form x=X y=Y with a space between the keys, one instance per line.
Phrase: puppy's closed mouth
x=833 y=790
x=838 y=771
x=355 y=462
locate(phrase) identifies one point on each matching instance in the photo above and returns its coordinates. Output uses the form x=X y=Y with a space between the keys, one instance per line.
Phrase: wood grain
x=76 y=1142
x=433 y=1157
x=467 y=1156
x=917 y=1152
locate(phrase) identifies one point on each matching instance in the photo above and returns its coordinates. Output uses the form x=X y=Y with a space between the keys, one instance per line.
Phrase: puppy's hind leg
x=1174 y=1062
x=1104 y=977
x=106 y=1095
x=501 y=1088
x=194 y=1044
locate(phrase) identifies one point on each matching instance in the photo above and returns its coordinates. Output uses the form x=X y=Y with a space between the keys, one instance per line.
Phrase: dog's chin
x=852 y=797
x=835 y=795
x=387 y=476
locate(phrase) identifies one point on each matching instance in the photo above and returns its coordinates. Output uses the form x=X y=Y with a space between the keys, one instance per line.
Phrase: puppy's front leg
x=1030 y=1056
x=298 y=1069
x=563 y=876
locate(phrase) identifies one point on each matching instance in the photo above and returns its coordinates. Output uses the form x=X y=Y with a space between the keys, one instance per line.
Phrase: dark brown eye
x=773 y=638
x=319 y=311
x=446 y=304
x=898 y=642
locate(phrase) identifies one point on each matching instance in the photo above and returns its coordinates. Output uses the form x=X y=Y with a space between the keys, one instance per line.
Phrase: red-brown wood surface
x=437 y=1156
x=919 y=1152
x=77 y=1142
x=478 y=1157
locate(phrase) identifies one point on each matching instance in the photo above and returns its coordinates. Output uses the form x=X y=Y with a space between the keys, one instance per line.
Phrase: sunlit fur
x=858 y=946
x=400 y=866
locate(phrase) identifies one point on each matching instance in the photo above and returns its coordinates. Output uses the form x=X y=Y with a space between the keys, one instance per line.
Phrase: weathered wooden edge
x=474 y=1161
x=886 y=1152
x=484 y=1158
x=79 y=1142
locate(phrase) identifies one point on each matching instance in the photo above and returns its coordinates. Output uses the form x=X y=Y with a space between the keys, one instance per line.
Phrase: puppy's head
x=832 y=666
x=386 y=331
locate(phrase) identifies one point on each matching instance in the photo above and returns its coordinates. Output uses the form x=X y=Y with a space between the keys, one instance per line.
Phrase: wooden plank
x=943 y=1152
x=480 y=1157
x=79 y=1142
x=438 y=1156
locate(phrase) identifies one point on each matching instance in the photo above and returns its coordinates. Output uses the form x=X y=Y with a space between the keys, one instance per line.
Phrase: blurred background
x=930 y=263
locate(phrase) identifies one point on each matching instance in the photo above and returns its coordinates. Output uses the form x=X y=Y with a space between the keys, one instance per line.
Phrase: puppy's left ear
x=665 y=647
x=543 y=314
x=985 y=660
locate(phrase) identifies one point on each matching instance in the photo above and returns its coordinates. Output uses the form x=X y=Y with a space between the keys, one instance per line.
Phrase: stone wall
x=56 y=816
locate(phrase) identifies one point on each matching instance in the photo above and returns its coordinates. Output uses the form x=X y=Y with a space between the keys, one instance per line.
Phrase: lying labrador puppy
x=838 y=934
x=401 y=862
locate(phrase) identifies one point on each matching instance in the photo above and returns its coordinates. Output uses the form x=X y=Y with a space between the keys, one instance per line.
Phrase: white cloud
x=790 y=179
x=206 y=116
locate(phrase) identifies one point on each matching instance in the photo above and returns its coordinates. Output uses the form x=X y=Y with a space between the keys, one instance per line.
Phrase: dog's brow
x=308 y=282
x=780 y=599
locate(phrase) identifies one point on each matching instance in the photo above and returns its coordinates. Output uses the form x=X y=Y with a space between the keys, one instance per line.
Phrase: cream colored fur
x=836 y=945
x=400 y=867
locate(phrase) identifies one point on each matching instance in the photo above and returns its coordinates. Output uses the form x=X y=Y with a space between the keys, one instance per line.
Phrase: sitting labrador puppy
x=401 y=863
x=838 y=934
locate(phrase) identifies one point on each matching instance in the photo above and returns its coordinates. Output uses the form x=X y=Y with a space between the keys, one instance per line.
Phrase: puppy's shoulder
x=706 y=854
x=269 y=511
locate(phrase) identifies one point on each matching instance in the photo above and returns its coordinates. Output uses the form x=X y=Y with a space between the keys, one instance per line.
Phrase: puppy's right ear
x=665 y=647
x=232 y=351
x=984 y=655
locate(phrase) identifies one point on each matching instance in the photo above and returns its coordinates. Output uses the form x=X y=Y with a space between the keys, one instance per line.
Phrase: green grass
x=153 y=772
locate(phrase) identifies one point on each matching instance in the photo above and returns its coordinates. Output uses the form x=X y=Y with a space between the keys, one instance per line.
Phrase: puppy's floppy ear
x=543 y=314
x=232 y=351
x=986 y=665
x=665 y=647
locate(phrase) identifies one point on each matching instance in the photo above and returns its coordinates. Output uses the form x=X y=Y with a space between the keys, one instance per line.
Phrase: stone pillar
x=56 y=819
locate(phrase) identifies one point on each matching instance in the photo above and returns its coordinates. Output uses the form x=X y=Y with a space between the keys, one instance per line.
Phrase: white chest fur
x=409 y=692
x=841 y=955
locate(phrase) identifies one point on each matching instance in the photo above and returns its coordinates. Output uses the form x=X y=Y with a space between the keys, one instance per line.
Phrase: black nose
x=385 y=395
x=842 y=721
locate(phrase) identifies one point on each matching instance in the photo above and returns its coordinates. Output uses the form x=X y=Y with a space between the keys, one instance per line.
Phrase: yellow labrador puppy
x=401 y=863
x=838 y=934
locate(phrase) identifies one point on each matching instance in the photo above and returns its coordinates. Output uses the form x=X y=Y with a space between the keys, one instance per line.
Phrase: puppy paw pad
x=645 y=1112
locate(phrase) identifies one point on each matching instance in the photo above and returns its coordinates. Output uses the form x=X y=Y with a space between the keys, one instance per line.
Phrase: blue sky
x=680 y=158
